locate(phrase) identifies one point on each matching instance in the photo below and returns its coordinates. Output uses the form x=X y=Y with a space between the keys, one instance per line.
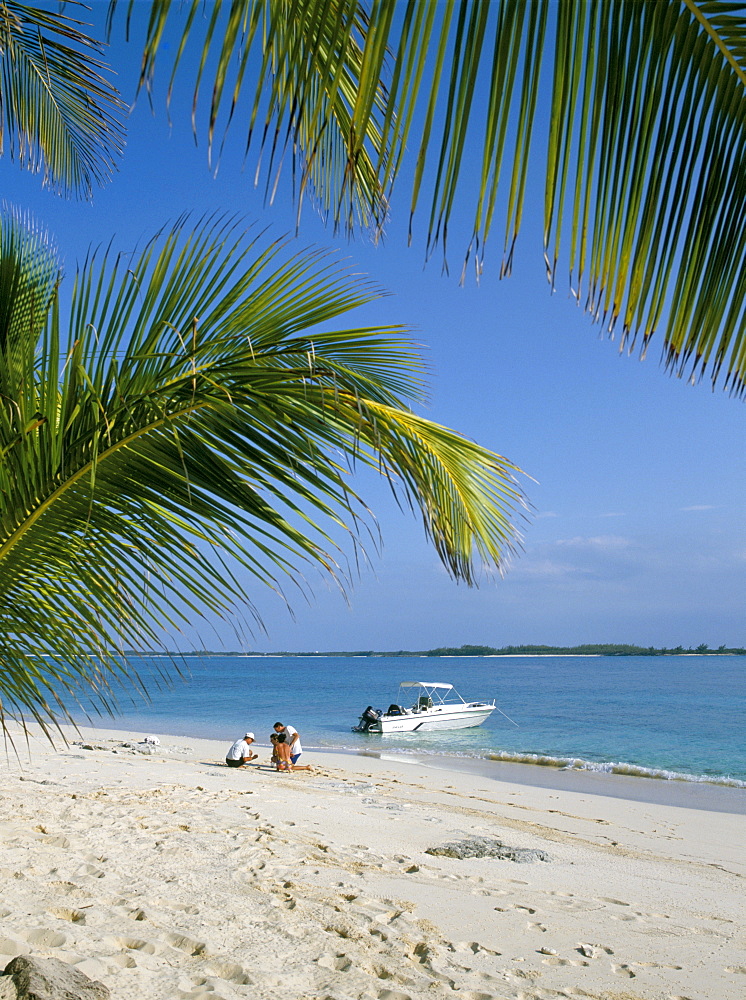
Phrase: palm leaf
x=643 y=134
x=194 y=419
x=58 y=113
x=303 y=64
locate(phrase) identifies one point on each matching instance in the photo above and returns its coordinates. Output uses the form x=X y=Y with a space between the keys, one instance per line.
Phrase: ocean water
x=675 y=717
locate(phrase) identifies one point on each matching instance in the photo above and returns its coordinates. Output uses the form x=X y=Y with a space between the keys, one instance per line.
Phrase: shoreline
x=715 y=792
x=709 y=796
x=161 y=872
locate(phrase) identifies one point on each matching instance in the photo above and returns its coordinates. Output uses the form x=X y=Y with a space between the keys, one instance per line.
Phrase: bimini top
x=426 y=684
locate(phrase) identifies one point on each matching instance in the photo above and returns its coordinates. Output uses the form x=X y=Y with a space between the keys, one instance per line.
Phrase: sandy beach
x=167 y=875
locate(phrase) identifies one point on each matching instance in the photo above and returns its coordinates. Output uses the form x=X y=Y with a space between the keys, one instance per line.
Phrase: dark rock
x=49 y=979
x=486 y=847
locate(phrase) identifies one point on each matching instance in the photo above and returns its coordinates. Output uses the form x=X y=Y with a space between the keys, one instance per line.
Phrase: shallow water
x=667 y=717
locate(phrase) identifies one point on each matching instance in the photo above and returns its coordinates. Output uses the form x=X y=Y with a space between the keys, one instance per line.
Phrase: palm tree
x=188 y=412
x=195 y=400
x=642 y=130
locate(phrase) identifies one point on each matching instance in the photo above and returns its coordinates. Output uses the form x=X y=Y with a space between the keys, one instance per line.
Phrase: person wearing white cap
x=240 y=753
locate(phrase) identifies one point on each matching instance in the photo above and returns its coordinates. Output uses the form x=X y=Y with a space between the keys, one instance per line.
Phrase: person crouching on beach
x=275 y=757
x=283 y=755
x=240 y=753
x=293 y=738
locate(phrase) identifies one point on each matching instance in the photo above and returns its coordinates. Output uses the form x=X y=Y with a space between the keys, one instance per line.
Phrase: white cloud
x=543 y=569
x=699 y=506
x=597 y=543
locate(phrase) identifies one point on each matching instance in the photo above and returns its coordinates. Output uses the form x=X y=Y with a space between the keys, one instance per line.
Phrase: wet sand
x=712 y=796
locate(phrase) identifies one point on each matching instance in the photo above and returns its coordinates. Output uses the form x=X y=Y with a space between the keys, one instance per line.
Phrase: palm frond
x=203 y=398
x=314 y=93
x=58 y=113
x=643 y=130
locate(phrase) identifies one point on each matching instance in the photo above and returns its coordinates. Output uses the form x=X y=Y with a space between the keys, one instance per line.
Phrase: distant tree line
x=588 y=649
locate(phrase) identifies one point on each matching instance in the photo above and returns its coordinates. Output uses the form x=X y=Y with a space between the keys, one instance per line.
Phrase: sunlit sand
x=168 y=875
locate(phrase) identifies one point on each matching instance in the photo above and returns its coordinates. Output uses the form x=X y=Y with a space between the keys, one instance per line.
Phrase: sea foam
x=613 y=767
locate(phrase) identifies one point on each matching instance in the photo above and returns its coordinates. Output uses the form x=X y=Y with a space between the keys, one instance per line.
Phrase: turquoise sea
x=674 y=717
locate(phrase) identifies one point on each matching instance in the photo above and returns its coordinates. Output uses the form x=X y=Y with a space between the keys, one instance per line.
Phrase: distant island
x=589 y=649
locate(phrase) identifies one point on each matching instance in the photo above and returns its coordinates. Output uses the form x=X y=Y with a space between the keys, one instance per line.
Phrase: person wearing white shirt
x=240 y=753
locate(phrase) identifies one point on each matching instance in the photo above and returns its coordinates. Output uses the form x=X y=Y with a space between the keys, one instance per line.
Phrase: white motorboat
x=436 y=706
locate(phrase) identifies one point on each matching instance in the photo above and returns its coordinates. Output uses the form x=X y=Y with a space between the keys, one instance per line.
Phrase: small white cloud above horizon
x=699 y=506
x=582 y=557
x=598 y=542
x=543 y=569
x=614 y=513
x=546 y=513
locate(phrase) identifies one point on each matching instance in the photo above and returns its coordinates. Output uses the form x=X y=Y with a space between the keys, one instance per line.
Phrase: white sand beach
x=171 y=876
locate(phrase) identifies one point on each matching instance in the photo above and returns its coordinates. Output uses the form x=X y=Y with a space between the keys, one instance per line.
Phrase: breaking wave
x=613 y=767
x=541 y=760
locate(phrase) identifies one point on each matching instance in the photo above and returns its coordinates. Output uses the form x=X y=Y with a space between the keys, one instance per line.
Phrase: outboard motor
x=368 y=719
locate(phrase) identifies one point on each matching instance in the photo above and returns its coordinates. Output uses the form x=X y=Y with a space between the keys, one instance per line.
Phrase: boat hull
x=433 y=720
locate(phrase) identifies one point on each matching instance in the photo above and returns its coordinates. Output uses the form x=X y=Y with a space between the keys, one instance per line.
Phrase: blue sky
x=637 y=533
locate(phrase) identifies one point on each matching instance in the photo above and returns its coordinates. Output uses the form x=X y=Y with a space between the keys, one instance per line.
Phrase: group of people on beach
x=286 y=750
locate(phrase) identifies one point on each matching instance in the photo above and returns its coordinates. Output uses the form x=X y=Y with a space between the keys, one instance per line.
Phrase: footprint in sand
x=594 y=950
x=123 y=961
x=338 y=962
x=345 y=931
x=187 y=908
x=134 y=944
x=472 y=995
x=91 y=871
x=554 y=959
x=53 y=841
x=74 y=916
x=563 y=961
x=11 y=946
x=568 y=902
x=657 y=965
x=42 y=937
x=473 y=946
x=186 y=944
x=623 y=970
x=231 y=971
